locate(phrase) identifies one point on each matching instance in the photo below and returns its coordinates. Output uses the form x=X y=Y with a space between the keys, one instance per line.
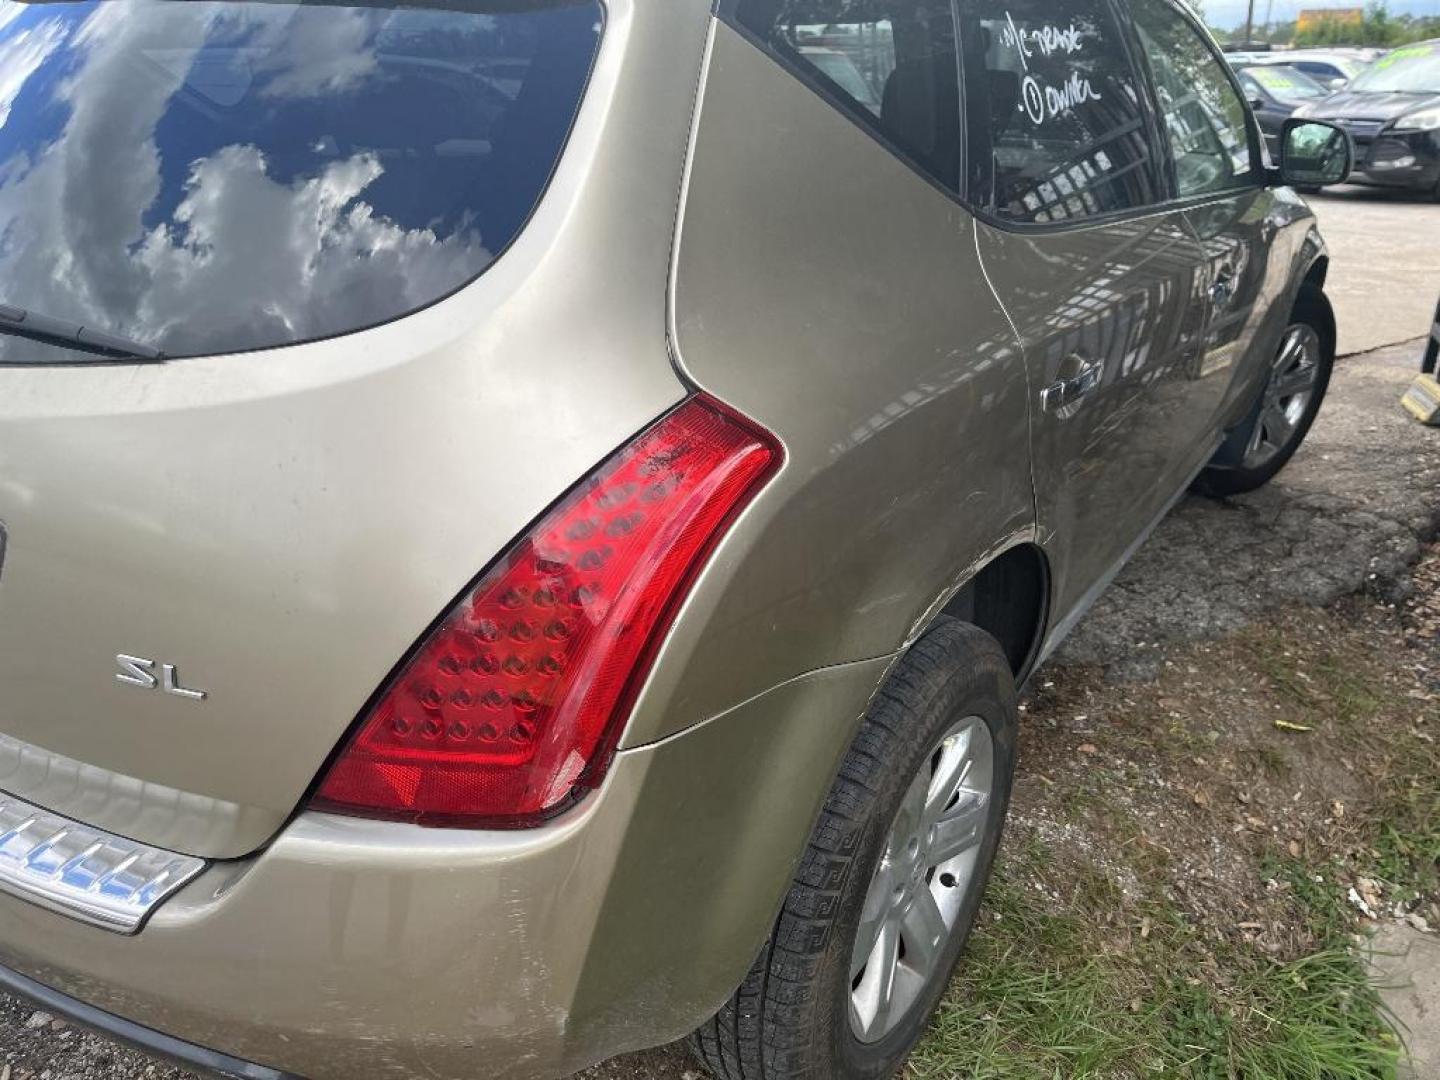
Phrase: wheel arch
x=1312 y=292
x=726 y=892
x=1009 y=598
x=1317 y=272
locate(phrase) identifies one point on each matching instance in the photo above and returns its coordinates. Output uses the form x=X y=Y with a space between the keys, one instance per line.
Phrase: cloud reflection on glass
x=219 y=176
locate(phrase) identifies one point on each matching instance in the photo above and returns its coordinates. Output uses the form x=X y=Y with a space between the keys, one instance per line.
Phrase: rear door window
x=214 y=176
x=1056 y=129
x=890 y=64
x=1203 y=112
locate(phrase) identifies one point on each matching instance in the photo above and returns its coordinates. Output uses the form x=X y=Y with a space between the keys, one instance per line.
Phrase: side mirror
x=1257 y=103
x=1314 y=153
x=1338 y=83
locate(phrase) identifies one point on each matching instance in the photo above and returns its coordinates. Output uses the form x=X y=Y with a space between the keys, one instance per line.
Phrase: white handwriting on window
x=1039 y=100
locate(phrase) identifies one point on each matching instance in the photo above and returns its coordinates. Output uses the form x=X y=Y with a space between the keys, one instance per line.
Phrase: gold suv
x=523 y=519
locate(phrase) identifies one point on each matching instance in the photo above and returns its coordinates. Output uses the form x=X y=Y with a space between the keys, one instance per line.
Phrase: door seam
x=975 y=226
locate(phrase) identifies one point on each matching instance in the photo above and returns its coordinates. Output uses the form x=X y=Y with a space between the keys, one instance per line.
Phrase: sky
x=1231 y=13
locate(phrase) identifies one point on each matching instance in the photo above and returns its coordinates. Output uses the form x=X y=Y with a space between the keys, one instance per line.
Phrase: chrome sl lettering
x=138 y=671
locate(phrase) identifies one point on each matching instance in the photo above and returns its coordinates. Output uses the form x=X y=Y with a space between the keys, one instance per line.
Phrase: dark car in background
x=1392 y=112
x=1275 y=91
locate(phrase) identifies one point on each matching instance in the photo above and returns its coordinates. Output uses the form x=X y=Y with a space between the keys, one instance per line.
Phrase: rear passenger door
x=1096 y=267
x=1218 y=172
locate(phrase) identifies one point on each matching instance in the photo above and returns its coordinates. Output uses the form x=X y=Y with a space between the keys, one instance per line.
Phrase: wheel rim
x=1287 y=395
x=923 y=879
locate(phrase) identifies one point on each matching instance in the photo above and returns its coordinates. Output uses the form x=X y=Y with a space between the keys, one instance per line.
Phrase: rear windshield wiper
x=20 y=322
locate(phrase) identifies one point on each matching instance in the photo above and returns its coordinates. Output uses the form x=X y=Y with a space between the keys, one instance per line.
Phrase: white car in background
x=1333 y=67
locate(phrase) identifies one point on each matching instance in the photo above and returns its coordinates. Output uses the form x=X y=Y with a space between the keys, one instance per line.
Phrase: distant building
x=1311 y=18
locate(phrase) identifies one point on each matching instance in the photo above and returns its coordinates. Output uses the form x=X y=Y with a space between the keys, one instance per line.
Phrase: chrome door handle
x=1061 y=395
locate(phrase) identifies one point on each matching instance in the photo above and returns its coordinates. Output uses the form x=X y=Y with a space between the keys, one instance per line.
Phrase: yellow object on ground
x=1422 y=400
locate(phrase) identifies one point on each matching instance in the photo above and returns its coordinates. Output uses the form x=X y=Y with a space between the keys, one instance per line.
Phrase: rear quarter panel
x=825 y=288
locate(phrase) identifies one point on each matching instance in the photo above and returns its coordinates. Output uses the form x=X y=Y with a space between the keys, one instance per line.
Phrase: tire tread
x=1311 y=307
x=765 y=1030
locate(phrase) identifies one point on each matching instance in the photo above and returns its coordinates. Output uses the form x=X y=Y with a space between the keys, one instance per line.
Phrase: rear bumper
x=147 y=1039
x=352 y=947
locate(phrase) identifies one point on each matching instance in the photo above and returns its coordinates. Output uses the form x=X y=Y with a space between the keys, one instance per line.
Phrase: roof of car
x=1312 y=54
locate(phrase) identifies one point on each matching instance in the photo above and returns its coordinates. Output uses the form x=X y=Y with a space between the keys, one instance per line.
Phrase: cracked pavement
x=1348 y=512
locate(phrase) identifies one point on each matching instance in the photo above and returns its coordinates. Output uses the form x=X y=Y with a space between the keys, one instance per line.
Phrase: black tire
x=1228 y=474
x=790 y=1018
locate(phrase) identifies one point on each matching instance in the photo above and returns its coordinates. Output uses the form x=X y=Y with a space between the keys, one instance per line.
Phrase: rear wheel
x=1294 y=389
x=890 y=881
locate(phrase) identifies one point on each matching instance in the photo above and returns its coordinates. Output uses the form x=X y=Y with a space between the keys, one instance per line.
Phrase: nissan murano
x=523 y=519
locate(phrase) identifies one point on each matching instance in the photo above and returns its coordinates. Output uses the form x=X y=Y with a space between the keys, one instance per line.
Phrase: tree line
x=1376 y=28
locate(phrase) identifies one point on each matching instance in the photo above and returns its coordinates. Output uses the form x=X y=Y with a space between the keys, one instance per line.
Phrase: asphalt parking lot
x=1351 y=512
x=1385 y=263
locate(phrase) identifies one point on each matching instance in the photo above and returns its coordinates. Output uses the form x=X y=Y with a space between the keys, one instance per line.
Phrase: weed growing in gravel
x=1048 y=990
x=1175 y=898
x=1406 y=846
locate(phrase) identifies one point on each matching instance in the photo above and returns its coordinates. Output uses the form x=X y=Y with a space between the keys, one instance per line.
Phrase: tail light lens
x=511 y=707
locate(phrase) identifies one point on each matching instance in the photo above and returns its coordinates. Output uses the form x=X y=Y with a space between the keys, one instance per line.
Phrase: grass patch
x=1330 y=686
x=1051 y=989
x=1406 y=845
x=1318 y=897
x=1230 y=951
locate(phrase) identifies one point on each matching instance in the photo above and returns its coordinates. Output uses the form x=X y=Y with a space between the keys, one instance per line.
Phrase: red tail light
x=512 y=705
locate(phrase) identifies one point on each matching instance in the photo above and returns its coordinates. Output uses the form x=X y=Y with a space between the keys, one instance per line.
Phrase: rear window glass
x=1331 y=69
x=211 y=177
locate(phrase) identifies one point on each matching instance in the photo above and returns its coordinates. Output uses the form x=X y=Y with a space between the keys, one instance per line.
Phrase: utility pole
x=1250 y=24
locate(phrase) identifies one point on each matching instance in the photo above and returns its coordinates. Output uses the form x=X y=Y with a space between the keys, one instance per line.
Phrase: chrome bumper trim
x=83 y=872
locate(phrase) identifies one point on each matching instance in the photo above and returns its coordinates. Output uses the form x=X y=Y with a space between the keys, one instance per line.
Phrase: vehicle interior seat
x=920 y=94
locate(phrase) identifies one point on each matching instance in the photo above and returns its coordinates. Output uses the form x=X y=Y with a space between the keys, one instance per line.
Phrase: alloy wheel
x=923 y=879
x=1287 y=395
